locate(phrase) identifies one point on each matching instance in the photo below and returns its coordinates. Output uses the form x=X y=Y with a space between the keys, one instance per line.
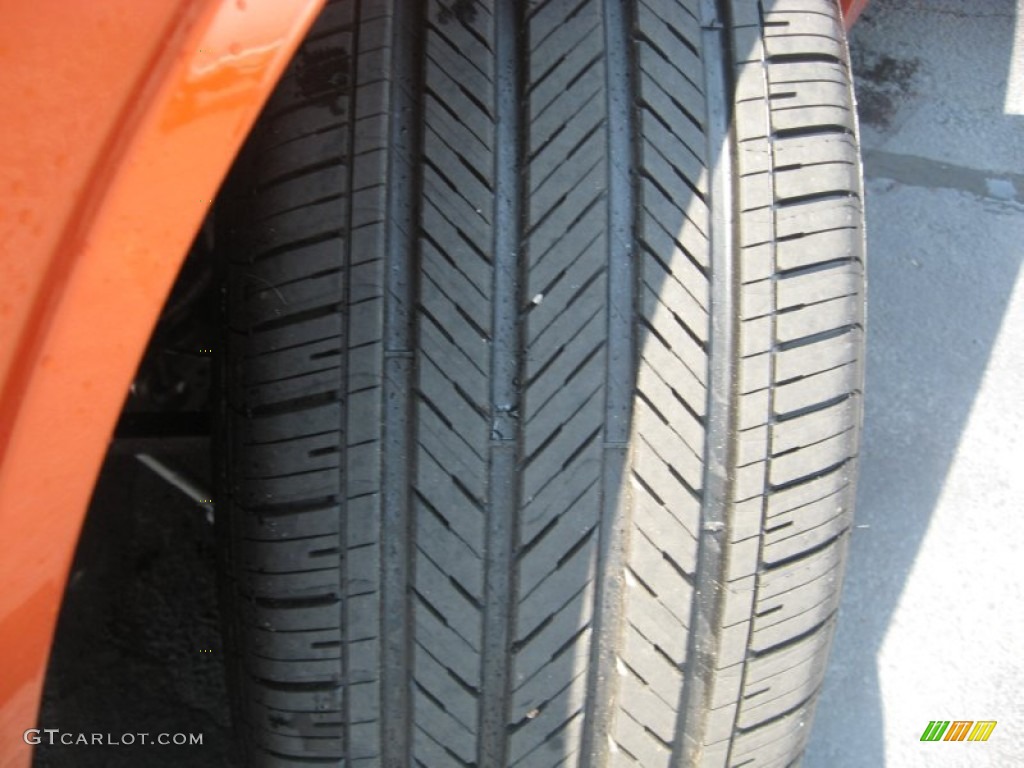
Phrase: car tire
x=541 y=384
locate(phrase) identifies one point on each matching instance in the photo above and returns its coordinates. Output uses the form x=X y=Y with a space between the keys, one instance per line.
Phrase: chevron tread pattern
x=470 y=330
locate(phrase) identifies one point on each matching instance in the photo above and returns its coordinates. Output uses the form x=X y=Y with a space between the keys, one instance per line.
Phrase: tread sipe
x=542 y=385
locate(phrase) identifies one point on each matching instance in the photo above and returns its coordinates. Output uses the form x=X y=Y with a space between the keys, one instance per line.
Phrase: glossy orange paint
x=120 y=120
x=851 y=11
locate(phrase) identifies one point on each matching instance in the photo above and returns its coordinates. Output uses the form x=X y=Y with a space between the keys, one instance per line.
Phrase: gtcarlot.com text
x=54 y=736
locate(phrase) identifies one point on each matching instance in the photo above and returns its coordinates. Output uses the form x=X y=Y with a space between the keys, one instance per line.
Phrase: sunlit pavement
x=932 y=620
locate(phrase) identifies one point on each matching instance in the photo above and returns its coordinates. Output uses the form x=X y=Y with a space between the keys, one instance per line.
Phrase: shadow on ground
x=138 y=642
x=943 y=262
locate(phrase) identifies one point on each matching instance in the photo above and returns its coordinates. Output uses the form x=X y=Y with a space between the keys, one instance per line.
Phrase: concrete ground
x=932 y=620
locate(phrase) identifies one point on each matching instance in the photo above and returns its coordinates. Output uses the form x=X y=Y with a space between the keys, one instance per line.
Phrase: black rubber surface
x=542 y=384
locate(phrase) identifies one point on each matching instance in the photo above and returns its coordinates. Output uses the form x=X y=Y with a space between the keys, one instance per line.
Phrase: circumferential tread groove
x=397 y=532
x=615 y=501
x=505 y=371
x=543 y=330
x=692 y=720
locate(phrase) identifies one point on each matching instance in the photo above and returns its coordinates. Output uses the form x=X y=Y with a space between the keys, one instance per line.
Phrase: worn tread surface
x=542 y=377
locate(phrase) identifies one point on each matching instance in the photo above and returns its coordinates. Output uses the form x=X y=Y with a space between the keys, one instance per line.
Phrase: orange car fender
x=852 y=10
x=120 y=120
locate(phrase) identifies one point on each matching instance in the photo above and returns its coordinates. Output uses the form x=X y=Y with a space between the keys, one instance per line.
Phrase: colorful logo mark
x=958 y=730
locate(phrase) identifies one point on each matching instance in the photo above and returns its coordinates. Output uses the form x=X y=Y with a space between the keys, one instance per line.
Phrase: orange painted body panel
x=852 y=10
x=120 y=119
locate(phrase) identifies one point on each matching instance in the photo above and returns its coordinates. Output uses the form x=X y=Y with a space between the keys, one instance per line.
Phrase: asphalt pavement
x=931 y=622
x=932 y=618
